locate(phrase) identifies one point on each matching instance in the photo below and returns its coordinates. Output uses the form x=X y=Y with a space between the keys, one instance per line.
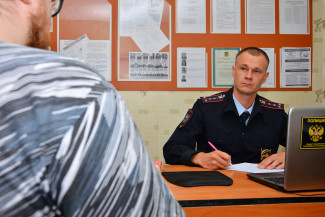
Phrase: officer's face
x=249 y=73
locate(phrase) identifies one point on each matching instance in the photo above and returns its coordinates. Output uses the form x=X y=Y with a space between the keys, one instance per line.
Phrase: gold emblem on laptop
x=265 y=153
x=316 y=132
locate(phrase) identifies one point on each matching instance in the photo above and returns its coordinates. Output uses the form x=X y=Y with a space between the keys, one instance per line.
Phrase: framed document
x=222 y=61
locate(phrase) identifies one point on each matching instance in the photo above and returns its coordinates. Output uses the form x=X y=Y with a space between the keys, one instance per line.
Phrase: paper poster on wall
x=225 y=16
x=190 y=16
x=260 y=16
x=87 y=35
x=294 y=16
x=270 y=82
x=191 y=67
x=143 y=35
x=141 y=22
x=222 y=61
x=95 y=52
x=295 y=67
x=149 y=66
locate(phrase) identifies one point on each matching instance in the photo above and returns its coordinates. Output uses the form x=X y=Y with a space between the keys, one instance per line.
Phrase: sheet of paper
x=73 y=47
x=294 y=16
x=155 y=10
x=149 y=66
x=222 y=61
x=140 y=20
x=225 y=17
x=270 y=82
x=149 y=37
x=97 y=53
x=190 y=16
x=260 y=16
x=131 y=10
x=251 y=168
x=191 y=67
x=295 y=67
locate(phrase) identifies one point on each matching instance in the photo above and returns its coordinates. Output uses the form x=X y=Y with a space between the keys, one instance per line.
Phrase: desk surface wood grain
x=242 y=187
x=243 y=198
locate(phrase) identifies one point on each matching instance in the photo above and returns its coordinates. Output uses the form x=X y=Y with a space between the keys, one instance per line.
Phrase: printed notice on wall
x=294 y=16
x=270 y=82
x=141 y=21
x=97 y=53
x=222 y=61
x=190 y=16
x=191 y=67
x=225 y=16
x=149 y=66
x=260 y=16
x=295 y=67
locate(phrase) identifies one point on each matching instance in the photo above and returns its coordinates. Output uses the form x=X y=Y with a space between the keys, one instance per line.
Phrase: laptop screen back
x=305 y=151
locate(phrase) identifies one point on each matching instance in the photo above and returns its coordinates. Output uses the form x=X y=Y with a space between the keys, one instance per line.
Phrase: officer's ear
x=265 y=77
x=233 y=71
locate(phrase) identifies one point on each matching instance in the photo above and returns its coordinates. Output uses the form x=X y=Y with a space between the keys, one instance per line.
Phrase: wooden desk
x=243 y=198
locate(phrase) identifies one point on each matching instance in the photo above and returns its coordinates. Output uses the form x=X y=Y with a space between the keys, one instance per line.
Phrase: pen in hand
x=212 y=145
x=216 y=149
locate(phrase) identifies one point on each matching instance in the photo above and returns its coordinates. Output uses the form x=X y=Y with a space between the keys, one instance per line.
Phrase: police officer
x=215 y=133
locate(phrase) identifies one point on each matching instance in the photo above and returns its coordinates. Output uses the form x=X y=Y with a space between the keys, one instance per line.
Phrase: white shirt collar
x=240 y=108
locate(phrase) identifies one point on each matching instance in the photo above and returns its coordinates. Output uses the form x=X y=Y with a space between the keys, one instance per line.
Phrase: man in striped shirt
x=68 y=144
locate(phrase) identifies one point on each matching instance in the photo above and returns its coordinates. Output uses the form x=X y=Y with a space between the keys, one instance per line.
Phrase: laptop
x=305 y=153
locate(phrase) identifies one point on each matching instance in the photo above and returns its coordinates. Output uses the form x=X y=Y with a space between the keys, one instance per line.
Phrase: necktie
x=244 y=116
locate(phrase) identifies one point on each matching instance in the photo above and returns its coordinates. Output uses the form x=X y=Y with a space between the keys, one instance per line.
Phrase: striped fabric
x=68 y=144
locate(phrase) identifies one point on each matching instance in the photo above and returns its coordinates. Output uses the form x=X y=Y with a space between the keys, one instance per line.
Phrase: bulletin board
x=127 y=44
x=85 y=31
x=122 y=45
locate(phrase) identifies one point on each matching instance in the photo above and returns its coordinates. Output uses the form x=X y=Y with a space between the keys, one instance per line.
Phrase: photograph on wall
x=149 y=66
x=191 y=67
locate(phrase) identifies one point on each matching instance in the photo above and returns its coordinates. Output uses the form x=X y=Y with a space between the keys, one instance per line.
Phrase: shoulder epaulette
x=214 y=98
x=271 y=105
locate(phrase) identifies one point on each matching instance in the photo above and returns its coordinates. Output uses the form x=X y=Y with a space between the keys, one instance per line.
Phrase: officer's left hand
x=275 y=161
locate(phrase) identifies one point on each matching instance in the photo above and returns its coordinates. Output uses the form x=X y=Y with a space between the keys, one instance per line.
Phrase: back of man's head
x=25 y=22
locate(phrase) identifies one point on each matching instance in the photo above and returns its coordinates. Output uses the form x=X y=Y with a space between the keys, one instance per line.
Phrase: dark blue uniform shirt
x=216 y=119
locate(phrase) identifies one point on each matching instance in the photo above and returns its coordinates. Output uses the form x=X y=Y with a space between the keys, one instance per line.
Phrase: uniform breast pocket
x=265 y=146
x=265 y=143
x=221 y=142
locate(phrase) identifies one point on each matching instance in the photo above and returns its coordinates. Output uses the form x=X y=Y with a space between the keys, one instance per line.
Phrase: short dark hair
x=254 y=51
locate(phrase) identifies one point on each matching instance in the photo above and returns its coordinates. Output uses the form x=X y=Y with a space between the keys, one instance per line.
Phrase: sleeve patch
x=271 y=105
x=187 y=118
x=213 y=98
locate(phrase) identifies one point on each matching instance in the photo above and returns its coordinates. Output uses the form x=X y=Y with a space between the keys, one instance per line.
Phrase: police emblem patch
x=187 y=118
x=265 y=153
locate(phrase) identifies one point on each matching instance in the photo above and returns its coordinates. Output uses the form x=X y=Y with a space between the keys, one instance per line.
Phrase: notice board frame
x=208 y=40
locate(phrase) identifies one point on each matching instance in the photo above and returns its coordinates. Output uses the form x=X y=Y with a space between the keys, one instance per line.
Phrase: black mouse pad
x=197 y=178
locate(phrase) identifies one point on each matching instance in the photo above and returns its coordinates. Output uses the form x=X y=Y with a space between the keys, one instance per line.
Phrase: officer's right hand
x=213 y=160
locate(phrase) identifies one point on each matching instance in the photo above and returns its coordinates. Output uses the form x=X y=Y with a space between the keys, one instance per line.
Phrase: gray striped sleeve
x=68 y=145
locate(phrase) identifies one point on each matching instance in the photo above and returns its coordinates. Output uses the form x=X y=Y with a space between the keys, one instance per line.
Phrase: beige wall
x=157 y=113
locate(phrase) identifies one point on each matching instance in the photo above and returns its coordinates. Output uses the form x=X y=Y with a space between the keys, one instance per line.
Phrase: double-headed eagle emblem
x=316 y=132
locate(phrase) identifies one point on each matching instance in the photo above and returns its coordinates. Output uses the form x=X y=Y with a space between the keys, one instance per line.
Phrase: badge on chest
x=265 y=153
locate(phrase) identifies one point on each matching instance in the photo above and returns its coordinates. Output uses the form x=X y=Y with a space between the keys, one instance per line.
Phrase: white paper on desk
x=251 y=168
